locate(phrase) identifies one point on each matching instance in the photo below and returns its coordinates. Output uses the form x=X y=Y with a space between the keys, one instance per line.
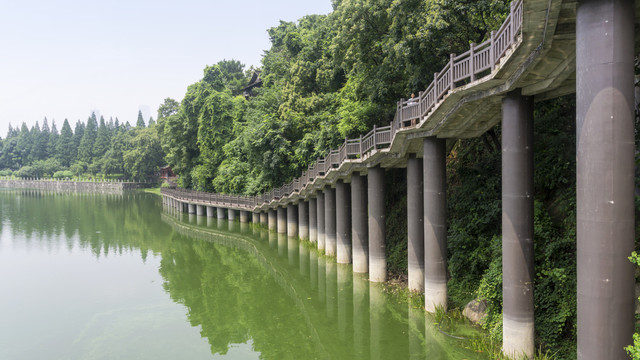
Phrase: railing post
x=435 y=88
x=360 y=146
x=374 y=138
x=512 y=25
x=472 y=65
x=452 y=83
x=420 y=109
x=492 y=51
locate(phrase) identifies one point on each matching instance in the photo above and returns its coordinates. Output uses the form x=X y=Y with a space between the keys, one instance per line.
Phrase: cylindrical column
x=303 y=220
x=605 y=177
x=517 y=224
x=292 y=220
x=264 y=218
x=343 y=223
x=330 y=221
x=435 y=223
x=231 y=214
x=282 y=220
x=192 y=208
x=273 y=219
x=201 y=210
x=359 y=224
x=211 y=211
x=320 y=224
x=377 y=258
x=313 y=220
x=415 y=224
x=255 y=218
x=244 y=216
x=220 y=213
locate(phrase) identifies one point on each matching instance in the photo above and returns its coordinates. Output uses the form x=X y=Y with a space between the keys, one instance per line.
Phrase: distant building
x=166 y=173
x=253 y=83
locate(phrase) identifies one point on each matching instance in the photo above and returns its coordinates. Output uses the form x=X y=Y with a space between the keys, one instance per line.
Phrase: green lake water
x=115 y=277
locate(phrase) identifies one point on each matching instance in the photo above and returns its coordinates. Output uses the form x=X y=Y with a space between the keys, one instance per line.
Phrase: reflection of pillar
x=322 y=278
x=605 y=177
x=360 y=316
x=282 y=244
x=192 y=208
x=313 y=220
x=232 y=214
x=211 y=211
x=210 y=221
x=416 y=333
x=377 y=259
x=415 y=224
x=330 y=221
x=273 y=222
x=331 y=280
x=435 y=224
x=201 y=220
x=292 y=220
x=303 y=220
x=292 y=246
x=376 y=316
x=273 y=240
x=244 y=216
x=517 y=225
x=244 y=227
x=359 y=224
x=345 y=298
x=304 y=259
x=221 y=224
x=282 y=220
x=200 y=210
x=220 y=213
x=343 y=223
x=192 y=218
x=313 y=268
x=320 y=217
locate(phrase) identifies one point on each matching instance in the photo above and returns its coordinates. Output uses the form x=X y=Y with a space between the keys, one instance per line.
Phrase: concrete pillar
x=359 y=224
x=303 y=220
x=517 y=225
x=231 y=214
x=264 y=218
x=343 y=223
x=244 y=216
x=282 y=220
x=220 y=213
x=192 y=208
x=201 y=210
x=377 y=258
x=292 y=220
x=313 y=220
x=330 y=221
x=273 y=219
x=435 y=223
x=605 y=177
x=211 y=211
x=255 y=218
x=320 y=222
x=415 y=224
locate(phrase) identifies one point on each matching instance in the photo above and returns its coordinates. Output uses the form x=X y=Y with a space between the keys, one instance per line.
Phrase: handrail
x=476 y=63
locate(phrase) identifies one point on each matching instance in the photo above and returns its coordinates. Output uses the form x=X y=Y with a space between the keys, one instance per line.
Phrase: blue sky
x=64 y=59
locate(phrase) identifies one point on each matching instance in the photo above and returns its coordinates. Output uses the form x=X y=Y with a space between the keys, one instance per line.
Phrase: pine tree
x=140 y=123
x=65 y=148
x=78 y=133
x=102 y=140
x=85 y=150
x=151 y=121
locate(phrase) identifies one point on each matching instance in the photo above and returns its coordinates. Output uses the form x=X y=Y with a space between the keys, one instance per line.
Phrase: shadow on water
x=240 y=283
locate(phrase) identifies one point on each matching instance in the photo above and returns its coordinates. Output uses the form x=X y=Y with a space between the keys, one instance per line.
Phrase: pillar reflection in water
x=322 y=276
x=331 y=284
x=221 y=223
x=211 y=222
x=416 y=332
x=345 y=297
x=273 y=239
x=282 y=244
x=376 y=322
x=192 y=218
x=313 y=269
x=360 y=316
x=201 y=220
x=264 y=234
x=292 y=243
x=244 y=227
x=304 y=260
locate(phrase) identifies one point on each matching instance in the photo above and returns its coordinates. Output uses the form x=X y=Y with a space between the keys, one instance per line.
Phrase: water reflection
x=239 y=282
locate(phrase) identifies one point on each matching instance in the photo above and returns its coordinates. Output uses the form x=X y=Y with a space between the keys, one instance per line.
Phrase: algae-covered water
x=115 y=277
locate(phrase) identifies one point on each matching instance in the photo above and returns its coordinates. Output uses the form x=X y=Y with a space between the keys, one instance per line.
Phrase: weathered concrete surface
x=79 y=186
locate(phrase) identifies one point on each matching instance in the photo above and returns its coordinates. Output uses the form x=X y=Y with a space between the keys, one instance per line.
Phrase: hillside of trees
x=93 y=149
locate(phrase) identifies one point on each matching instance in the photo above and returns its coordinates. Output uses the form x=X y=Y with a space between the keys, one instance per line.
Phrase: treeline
x=95 y=148
x=324 y=78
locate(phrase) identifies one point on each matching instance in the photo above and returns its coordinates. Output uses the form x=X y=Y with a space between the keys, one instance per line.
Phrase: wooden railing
x=476 y=63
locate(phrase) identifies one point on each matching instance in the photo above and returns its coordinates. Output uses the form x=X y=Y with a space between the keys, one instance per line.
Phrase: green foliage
x=634 y=349
x=63 y=174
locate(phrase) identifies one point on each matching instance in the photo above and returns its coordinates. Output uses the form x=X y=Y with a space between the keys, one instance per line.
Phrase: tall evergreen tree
x=78 y=133
x=53 y=140
x=151 y=121
x=38 y=147
x=85 y=150
x=102 y=139
x=140 y=122
x=23 y=147
x=65 y=149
